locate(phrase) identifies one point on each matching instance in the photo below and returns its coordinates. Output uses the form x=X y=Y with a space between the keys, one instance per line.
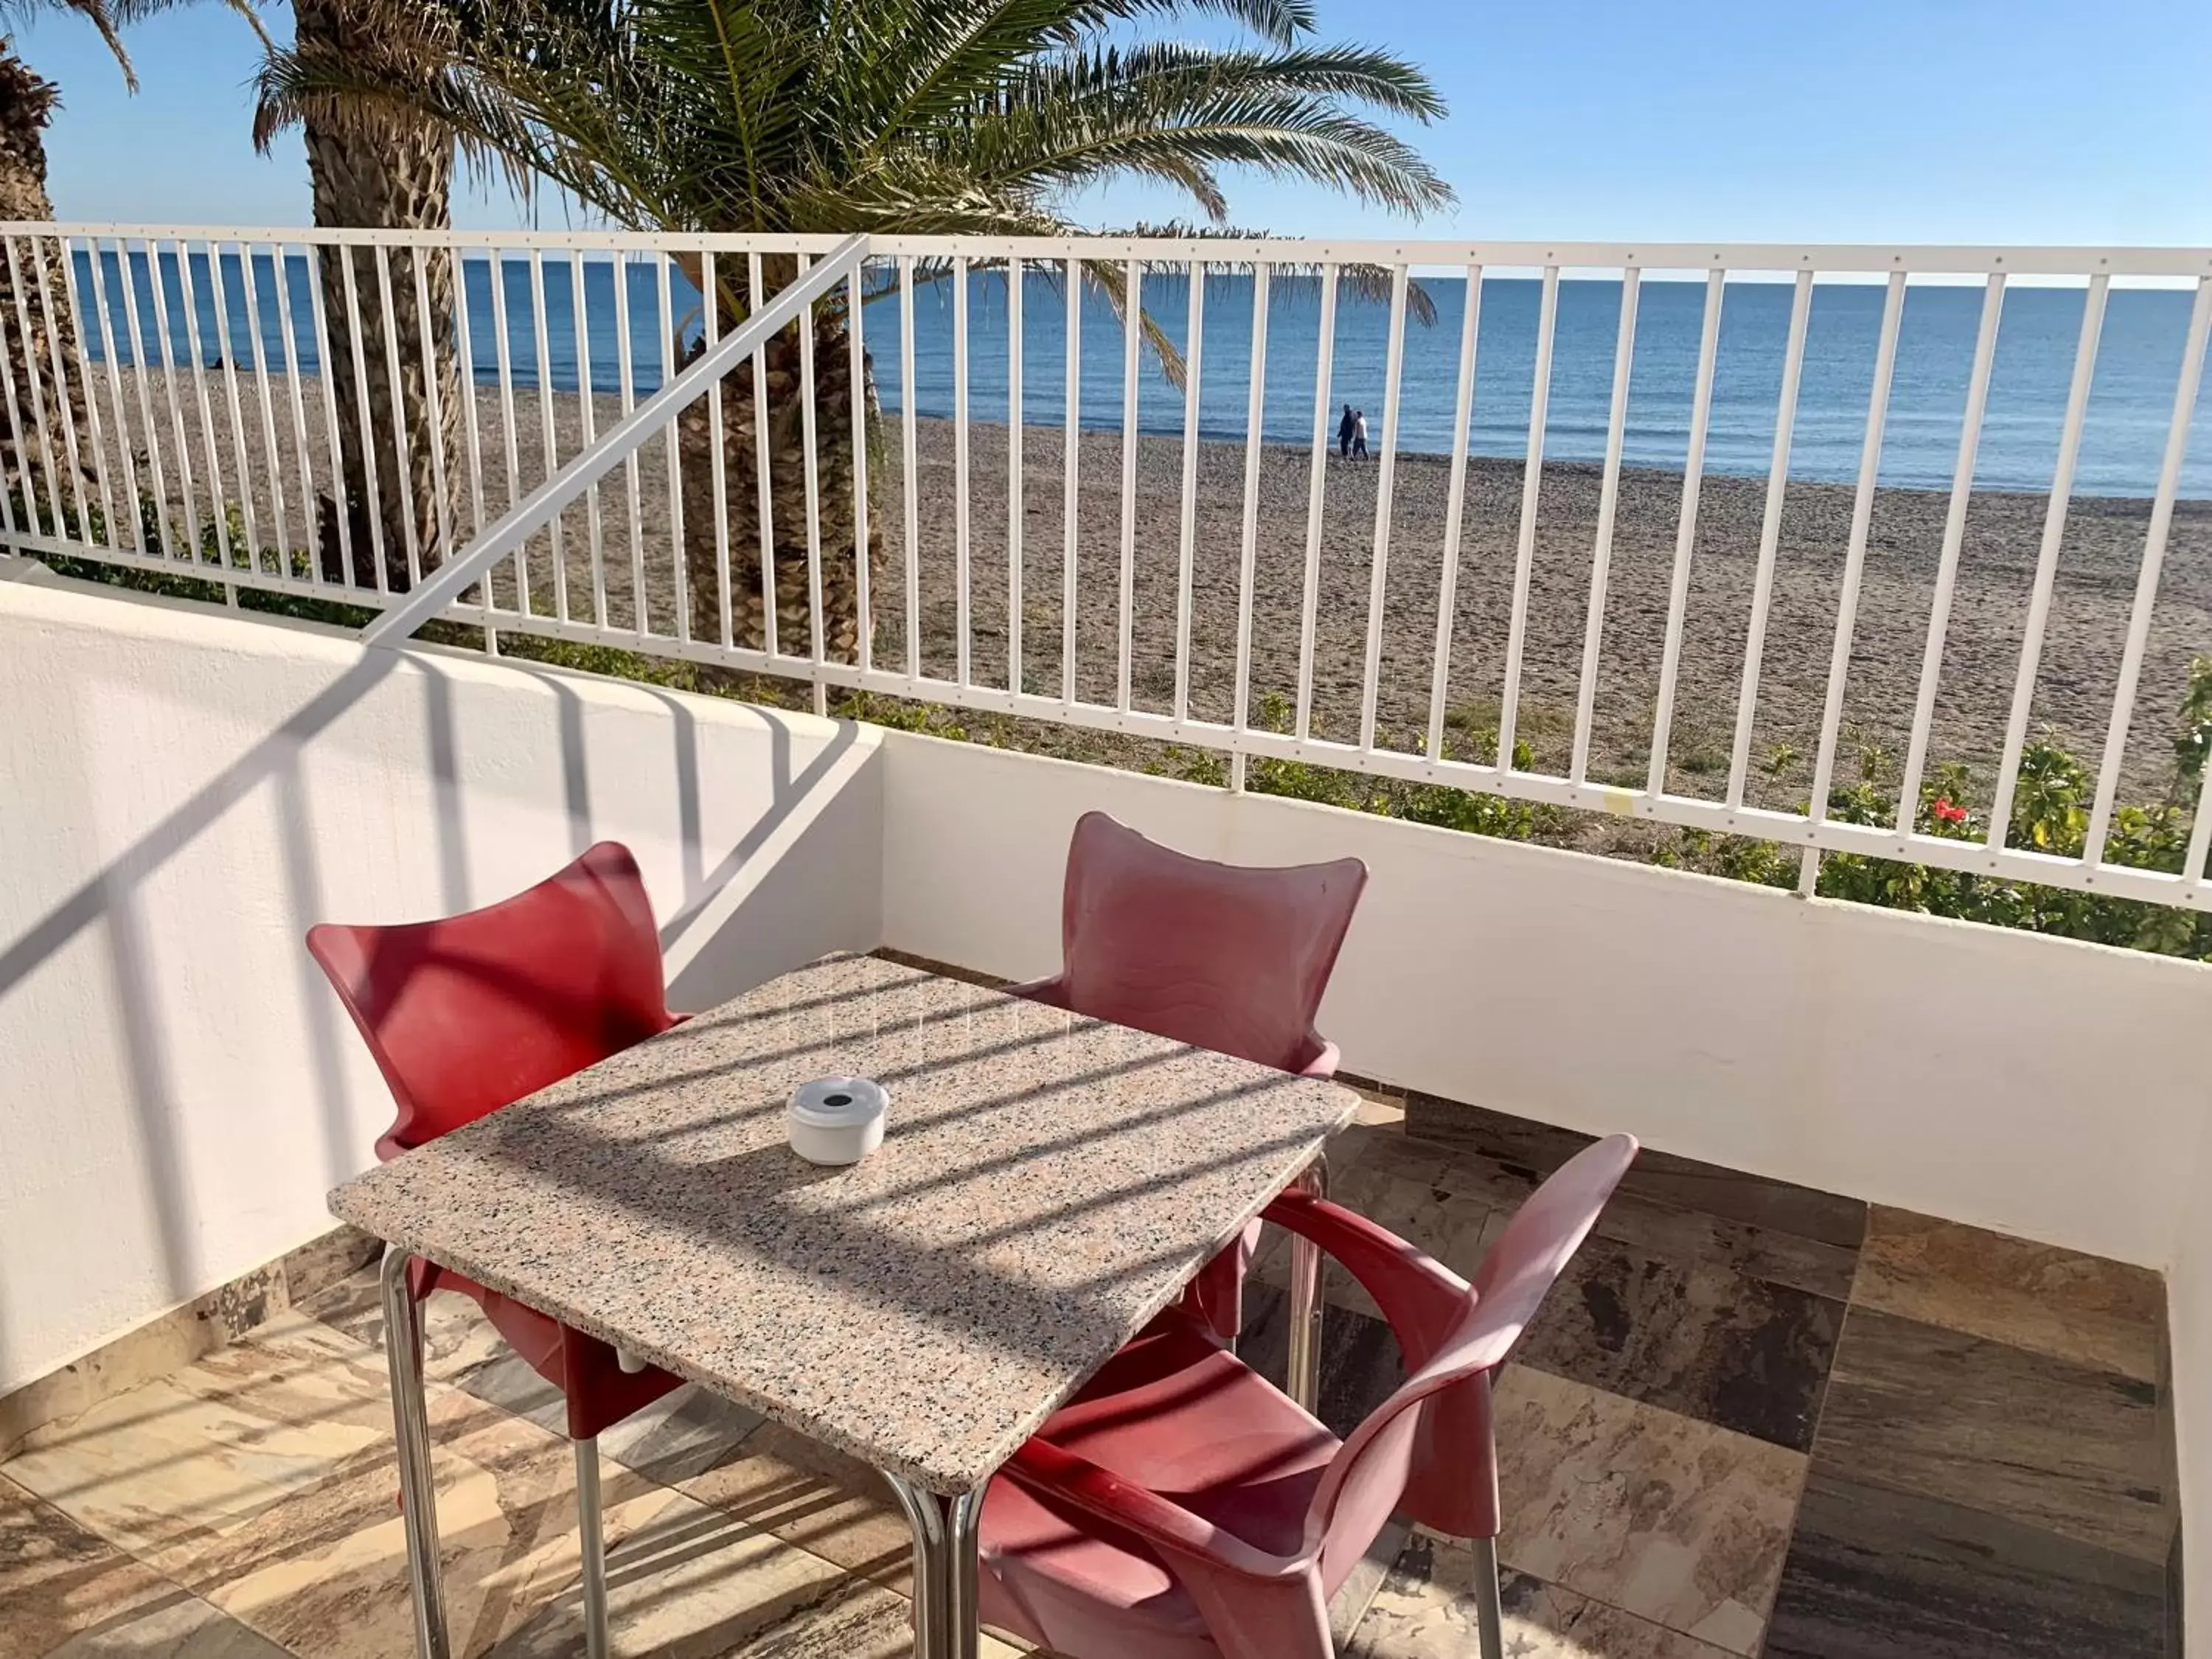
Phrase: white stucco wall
x=182 y=792
x=2040 y=1087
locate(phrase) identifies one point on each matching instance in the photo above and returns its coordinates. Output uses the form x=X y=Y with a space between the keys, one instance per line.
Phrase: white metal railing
x=236 y=448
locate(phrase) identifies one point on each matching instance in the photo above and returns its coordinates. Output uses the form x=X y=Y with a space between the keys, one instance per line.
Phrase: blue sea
x=2130 y=401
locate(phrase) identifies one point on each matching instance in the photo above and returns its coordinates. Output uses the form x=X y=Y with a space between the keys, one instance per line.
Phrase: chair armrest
x=1052 y=992
x=1422 y=1299
x=1061 y=1476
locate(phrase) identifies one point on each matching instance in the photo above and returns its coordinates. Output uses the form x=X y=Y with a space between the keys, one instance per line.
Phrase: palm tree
x=975 y=117
x=35 y=291
x=381 y=167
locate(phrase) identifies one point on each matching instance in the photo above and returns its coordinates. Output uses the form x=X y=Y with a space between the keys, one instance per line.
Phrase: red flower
x=1946 y=812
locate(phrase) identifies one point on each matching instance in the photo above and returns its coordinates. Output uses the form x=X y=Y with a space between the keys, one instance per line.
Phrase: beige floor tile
x=56 y=1579
x=1674 y=1520
x=1424 y=1611
x=2036 y=1297
x=171 y=1469
x=179 y=1626
x=808 y=1495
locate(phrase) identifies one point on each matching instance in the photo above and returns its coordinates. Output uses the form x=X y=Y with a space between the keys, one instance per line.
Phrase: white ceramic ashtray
x=836 y=1120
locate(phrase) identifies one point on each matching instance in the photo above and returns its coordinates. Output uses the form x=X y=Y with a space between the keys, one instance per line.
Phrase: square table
x=1047 y=1183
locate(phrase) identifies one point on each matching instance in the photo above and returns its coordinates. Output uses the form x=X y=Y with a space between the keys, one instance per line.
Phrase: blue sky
x=1877 y=120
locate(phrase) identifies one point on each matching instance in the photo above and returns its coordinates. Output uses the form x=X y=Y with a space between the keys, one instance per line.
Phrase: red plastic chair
x=470 y=1013
x=1180 y=1507
x=1218 y=956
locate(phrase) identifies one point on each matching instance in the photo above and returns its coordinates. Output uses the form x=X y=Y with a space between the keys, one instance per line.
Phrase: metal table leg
x=410 y=1423
x=1305 y=1367
x=946 y=1613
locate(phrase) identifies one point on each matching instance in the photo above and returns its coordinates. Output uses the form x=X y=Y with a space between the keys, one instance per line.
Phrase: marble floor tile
x=1741 y=1352
x=180 y=1627
x=57 y=1578
x=2056 y=1302
x=1876 y=1574
x=1677 y=1522
x=806 y=1494
x=1534 y=1150
x=1947 y=1415
x=171 y=1469
x=1360 y=1364
x=1424 y=1611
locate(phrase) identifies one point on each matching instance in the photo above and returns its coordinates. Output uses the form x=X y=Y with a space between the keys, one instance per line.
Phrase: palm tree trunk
x=38 y=401
x=375 y=170
x=785 y=419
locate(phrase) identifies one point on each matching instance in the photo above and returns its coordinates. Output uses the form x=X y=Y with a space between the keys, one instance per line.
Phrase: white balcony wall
x=182 y=792
x=2038 y=1086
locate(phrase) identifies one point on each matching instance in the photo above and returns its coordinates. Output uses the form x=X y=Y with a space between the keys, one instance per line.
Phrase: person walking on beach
x=1359 y=432
x=1343 y=435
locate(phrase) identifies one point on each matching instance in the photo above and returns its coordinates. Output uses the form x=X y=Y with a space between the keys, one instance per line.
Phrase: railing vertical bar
x=1532 y=485
x=1132 y=305
x=594 y=530
x=2200 y=835
x=316 y=252
x=1256 y=410
x=200 y=390
x=258 y=350
x=863 y=642
x=472 y=445
x=909 y=484
x=1071 y=502
x=2046 y=558
x=960 y=570
x=1193 y=345
x=1386 y=479
x=1769 y=536
x=1947 y=563
x=116 y=398
x=1608 y=506
x=374 y=505
x=1014 y=475
x=402 y=458
x=91 y=390
x=632 y=482
x=1686 y=533
x=807 y=419
x=1317 y=478
x=312 y=530
x=679 y=569
x=2153 y=559
x=99 y=432
x=41 y=427
x=165 y=342
x=502 y=349
x=69 y=444
x=227 y=345
x=23 y=456
x=768 y=574
x=718 y=465
x=1454 y=509
x=1847 y=603
x=433 y=407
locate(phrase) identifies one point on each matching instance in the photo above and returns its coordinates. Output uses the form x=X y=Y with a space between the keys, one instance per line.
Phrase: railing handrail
x=1828 y=258
x=502 y=539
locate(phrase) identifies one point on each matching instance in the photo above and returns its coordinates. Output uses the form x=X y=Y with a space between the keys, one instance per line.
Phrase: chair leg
x=418 y=1491
x=1489 y=1613
x=590 y=1527
x=1304 y=1343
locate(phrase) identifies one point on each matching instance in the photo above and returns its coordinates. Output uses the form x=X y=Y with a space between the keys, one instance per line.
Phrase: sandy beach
x=2100 y=559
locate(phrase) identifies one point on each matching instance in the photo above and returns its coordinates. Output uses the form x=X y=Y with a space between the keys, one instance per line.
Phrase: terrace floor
x=1754 y=1418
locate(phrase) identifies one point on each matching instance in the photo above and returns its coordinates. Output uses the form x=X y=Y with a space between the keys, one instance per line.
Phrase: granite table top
x=1047 y=1183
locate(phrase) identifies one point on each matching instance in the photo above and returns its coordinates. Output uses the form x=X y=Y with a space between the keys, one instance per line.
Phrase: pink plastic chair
x=1181 y=1507
x=472 y=1012
x=1218 y=956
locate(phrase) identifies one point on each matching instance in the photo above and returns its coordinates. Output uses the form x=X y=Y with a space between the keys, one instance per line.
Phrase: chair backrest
x=1428 y=1449
x=1217 y=955
x=472 y=1012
